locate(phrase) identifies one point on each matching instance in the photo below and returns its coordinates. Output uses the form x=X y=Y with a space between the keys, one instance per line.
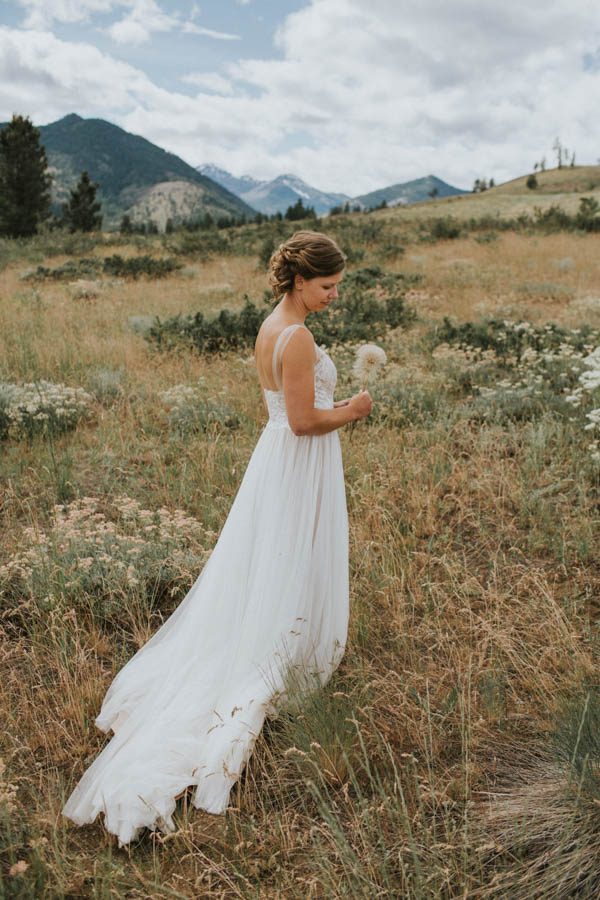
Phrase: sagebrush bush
x=130 y=267
x=371 y=301
x=443 y=229
x=106 y=384
x=191 y=411
x=228 y=330
x=510 y=339
x=41 y=407
x=95 y=553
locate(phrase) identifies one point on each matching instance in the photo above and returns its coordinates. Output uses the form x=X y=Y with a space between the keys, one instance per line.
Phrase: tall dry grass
x=474 y=580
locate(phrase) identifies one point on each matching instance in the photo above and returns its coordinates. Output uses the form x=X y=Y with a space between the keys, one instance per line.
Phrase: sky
x=351 y=95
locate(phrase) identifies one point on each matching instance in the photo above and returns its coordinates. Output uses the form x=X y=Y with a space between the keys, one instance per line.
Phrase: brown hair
x=307 y=253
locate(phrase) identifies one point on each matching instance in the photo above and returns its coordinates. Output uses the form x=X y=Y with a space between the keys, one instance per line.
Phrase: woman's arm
x=298 y=378
x=262 y=391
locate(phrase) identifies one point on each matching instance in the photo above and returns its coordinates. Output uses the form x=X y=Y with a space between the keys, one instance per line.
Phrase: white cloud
x=191 y=28
x=211 y=81
x=46 y=78
x=362 y=95
x=41 y=13
x=143 y=18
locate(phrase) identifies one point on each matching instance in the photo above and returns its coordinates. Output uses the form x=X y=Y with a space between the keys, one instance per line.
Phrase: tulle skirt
x=273 y=596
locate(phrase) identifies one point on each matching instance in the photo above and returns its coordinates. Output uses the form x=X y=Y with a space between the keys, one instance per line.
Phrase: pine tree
x=82 y=212
x=299 y=211
x=24 y=179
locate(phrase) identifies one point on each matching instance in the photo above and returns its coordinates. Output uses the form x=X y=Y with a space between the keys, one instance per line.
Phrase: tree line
x=25 y=183
x=25 y=200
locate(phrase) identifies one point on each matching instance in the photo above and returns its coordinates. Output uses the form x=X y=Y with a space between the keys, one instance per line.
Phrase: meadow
x=456 y=751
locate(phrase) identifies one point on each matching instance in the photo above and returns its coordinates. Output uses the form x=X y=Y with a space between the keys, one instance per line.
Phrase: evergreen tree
x=24 y=179
x=82 y=212
x=298 y=211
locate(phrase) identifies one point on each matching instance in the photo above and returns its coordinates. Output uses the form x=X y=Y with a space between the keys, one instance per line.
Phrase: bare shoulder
x=300 y=349
x=301 y=338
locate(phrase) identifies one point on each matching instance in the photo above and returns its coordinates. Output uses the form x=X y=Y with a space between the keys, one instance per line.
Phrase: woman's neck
x=293 y=307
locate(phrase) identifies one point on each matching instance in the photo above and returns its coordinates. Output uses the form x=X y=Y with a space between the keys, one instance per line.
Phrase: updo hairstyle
x=307 y=253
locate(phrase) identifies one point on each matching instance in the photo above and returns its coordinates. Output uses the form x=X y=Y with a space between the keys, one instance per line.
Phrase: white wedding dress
x=188 y=706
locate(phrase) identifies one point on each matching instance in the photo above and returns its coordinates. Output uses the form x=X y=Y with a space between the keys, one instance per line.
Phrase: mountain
x=408 y=192
x=274 y=196
x=134 y=175
x=237 y=186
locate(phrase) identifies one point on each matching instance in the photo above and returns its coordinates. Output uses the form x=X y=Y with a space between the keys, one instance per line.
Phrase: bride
x=271 y=600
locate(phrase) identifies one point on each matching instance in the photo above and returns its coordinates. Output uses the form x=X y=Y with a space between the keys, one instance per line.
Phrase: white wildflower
x=594 y=417
x=369 y=359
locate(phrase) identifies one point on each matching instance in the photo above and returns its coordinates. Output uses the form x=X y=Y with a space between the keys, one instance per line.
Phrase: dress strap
x=280 y=344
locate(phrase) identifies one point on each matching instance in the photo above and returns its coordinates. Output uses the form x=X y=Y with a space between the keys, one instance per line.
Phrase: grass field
x=455 y=752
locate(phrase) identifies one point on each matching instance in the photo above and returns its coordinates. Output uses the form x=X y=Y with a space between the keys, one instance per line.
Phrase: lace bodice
x=325 y=381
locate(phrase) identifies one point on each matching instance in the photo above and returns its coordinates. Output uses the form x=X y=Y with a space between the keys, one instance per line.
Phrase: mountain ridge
x=128 y=168
x=408 y=192
x=285 y=190
x=276 y=195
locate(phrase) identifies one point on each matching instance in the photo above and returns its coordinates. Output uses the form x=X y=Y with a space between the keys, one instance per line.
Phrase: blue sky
x=351 y=95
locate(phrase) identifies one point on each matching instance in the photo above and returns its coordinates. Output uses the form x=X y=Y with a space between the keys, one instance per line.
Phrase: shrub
x=202 y=244
x=41 y=407
x=443 y=229
x=588 y=215
x=132 y=267
x=94 y=556
x=531 y=182
x=135 y=266
x=191 y=411
x=72 y=270
x=372 y=302
x=106 y=384
x=227 y=331
x=509 y=339
x=554 y=218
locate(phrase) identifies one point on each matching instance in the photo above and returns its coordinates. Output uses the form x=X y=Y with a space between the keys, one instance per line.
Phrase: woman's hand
x=362 y=404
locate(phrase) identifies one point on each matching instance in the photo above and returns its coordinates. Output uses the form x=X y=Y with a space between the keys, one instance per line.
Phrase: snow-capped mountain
x=274 y=196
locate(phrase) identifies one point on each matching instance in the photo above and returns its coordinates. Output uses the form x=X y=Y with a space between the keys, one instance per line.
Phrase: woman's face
x=317 y=293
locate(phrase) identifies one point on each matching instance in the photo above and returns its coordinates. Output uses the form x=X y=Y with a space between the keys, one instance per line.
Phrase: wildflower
x=594 y=417
x=369 y=359
x=18 y=868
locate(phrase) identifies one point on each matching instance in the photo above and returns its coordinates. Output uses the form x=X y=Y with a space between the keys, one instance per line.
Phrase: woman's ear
x=298 y=282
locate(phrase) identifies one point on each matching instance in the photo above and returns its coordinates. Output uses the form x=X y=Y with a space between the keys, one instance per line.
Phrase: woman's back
x=266 y=342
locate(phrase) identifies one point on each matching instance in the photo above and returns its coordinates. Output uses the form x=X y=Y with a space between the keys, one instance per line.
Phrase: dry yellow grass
x=472 y=572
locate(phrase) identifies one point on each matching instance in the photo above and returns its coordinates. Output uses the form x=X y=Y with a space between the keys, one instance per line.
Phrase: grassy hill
x=127 y=168
x=559 y=187
x=576 y=179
